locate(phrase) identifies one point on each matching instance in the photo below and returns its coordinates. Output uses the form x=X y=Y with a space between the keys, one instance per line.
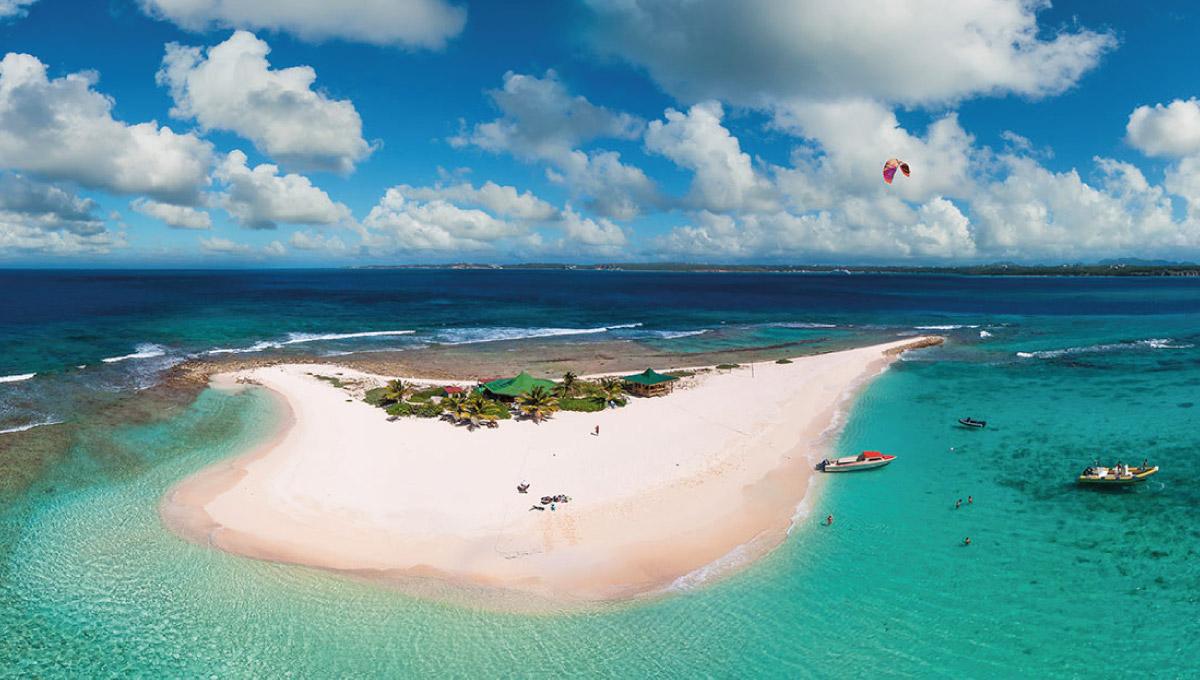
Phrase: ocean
x=1058 y=581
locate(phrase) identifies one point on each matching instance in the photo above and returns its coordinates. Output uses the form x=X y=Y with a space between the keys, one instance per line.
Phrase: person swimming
x=967 y=540
x=970 y=500
x=828 y=520
x=958 y=504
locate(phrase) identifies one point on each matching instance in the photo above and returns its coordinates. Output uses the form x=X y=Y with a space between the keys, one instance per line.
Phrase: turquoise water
x=91 y=585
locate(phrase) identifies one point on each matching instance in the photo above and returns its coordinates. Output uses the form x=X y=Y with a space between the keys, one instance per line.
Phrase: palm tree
x=537 y=404
x=567 y=387
x=478 y=410
x=394 y=392
x=612 y=389
x=454 y=406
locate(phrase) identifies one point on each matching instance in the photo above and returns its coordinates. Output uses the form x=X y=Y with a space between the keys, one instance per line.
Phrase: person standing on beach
x=597 y=432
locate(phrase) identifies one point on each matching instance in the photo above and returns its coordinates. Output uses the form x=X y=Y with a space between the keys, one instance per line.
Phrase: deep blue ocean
x=1059 y=581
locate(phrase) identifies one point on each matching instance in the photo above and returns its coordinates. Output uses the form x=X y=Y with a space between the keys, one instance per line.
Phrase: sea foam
x=144 y=351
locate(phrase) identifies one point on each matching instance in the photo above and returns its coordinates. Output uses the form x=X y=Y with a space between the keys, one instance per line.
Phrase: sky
x=285 y=133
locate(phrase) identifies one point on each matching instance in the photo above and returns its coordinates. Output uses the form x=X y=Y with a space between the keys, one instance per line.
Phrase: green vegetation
x=537 y=404
x=474 y=410
x=427 y=393
x=612 y=391
x=681 y=374
x=569 y=383
x=426 y=409
x=399 y=408
x=783 y=361
x=331 y=379
x=582 y=405
x=727 y=367
x=374 y=396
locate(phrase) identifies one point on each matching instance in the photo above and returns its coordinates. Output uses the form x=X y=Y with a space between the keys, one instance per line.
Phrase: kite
x=889 y=169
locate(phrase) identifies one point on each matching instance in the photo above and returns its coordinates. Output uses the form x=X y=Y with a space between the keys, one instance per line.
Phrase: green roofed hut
x=649 y=383
x=510 y=388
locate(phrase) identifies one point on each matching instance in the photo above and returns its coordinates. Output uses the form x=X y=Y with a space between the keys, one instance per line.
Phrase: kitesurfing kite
x=889 y=169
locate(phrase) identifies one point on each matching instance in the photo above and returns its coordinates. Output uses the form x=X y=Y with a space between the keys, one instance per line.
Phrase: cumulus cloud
x=402 y=224
x=592 y=234
x=260 y=197
x=408 y=23
x=1172 y=130
x=14 y=8
x=314 y=242
x=62 y=129
x=913 y=53
x=541 y=121
x=224 y=246
x=232 y=86
x=505 y=201
x=39 y=218
x=724 y=177
x=177 y=216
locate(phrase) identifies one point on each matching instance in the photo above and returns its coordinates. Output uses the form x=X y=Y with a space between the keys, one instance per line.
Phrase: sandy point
x=670 y=486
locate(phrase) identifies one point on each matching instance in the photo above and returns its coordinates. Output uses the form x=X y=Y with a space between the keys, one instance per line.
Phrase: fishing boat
x=971 y=422
x=1118 y=475
x=867 y=460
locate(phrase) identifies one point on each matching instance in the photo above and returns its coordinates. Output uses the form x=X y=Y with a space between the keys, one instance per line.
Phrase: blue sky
x=273 y=133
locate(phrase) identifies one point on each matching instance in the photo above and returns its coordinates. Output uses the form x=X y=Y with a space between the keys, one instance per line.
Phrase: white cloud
x=504 y=201
x=601 y=234
x=724 y=176
x=259 y=198
x=37 y=218
x=541 y=121
x=275 y=249
x=62 y=129
x=915 y=52
x=400 y=224
x=1171 y=130
x=233 y=87
x=311 y=241
x=14 y=8
x=178 y=216
x=408 y=23
x=47 y=207
x=224 y=246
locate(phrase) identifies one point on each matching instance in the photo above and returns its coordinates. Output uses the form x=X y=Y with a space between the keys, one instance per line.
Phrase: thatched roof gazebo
x=649 y=383
x=510 y=388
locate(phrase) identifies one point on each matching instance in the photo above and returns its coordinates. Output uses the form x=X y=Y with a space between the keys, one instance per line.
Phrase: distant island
x=1103 y=268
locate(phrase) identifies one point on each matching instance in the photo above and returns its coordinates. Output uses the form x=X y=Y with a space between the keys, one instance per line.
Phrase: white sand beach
x=670 y=485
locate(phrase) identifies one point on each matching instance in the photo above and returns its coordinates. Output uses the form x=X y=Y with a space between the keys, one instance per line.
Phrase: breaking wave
x=465 y=336
x=946 y=327
x=144 y=351
x=29 y=426
x=1152 y=343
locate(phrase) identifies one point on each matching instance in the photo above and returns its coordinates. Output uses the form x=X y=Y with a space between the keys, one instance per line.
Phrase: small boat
x=1120 y=475
x=867 y=460
x=971 y=422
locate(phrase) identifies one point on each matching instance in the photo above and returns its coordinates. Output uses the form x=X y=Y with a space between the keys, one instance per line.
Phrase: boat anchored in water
x=1117 y=475
x=971 y=422
x=867 y=460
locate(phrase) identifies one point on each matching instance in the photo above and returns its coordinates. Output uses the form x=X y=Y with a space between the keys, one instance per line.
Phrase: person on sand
x=553 y=507
x=597 y=432
x=828 y=520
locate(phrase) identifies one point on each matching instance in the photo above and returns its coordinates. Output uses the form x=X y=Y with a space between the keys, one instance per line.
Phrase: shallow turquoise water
x=91 y=585
x=95 y=586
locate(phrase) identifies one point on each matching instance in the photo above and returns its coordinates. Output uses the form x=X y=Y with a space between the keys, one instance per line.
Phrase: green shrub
x=784 y=361
x=727 y=367
x=332 y=380
x=374 y=397
x=680 y=374
x=400 y=408
x=426 y=409
x=427 y=394
x=584 y=405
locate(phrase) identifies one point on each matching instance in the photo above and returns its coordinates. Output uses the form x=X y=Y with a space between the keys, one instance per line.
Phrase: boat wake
x=16 y=378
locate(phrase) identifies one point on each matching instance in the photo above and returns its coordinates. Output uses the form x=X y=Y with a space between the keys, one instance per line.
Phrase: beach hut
x=649 y=383
x=510 y=388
